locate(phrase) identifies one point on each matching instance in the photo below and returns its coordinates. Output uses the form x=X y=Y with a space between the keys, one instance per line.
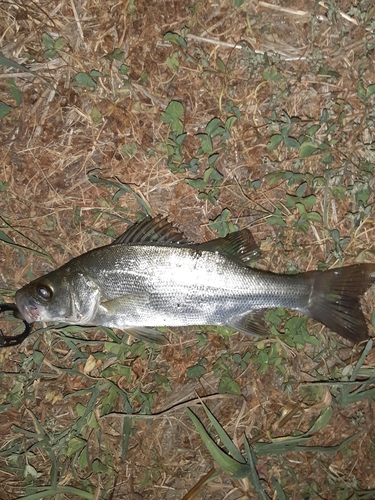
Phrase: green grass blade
x=125 y=438
x=224 y=461
x=279 y=491
x=4 y=61
x=223 y=436
x=280 y=446
x=253 y=474
x=323 y=419
x=53 y=492
x=361 y=360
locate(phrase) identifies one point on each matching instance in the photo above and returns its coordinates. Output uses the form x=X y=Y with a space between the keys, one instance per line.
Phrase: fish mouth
x=28 y=310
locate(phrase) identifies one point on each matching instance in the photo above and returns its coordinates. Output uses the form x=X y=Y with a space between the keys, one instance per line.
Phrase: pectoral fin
x=147 y=335
x=131 y=302
x=126 y=307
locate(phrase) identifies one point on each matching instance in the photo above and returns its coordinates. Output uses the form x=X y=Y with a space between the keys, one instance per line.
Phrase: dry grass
x=62 y=133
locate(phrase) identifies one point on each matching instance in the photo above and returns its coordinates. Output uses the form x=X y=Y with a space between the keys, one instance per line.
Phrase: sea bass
x=151 y=277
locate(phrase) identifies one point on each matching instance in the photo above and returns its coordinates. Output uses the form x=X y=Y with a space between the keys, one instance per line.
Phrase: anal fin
x=251 y=324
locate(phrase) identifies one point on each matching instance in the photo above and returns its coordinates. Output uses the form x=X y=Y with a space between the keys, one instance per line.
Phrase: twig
x=240 y=46
x=284 y=9
x=79 y=26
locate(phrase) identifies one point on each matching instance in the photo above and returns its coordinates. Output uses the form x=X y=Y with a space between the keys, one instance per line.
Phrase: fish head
x=62 y=296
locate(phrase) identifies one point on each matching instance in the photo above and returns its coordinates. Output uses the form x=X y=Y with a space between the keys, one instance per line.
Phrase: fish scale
x=209 y=288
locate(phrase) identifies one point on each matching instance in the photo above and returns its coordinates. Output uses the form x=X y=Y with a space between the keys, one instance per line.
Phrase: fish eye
x=45 y=292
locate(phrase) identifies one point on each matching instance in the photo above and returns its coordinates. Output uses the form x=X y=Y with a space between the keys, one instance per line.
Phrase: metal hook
x=6 y=341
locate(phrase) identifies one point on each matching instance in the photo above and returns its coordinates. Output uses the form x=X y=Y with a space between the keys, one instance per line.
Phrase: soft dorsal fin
x=238 y=246
x=155 y=230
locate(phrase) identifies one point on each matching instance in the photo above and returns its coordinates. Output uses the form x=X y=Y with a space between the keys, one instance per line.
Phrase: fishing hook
x=6 y=341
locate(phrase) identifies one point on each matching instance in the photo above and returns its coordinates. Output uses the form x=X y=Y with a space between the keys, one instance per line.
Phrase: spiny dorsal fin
x=238 y=246
x=155 y=230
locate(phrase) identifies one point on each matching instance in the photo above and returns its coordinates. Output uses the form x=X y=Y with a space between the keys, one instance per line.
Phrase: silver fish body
x=140 y=282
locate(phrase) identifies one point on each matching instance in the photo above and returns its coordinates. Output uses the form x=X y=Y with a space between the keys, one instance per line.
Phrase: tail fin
x=334 y=299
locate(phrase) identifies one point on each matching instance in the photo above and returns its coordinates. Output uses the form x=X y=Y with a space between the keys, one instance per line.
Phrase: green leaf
x=290 y=142
x=197 y=370
x=361 y=91
x=98 y=466
x=221 y=65
x=196 y=183
x=301 y=189
x=274 y=141
x=274 y=177
x=216 y=175
x=228 y=385
x=94 y=73
x=324 y=116
x=338 y=192
x=229 y=122
x=271 y=75
x=291 y=200
x=124 y=69
x=48 y=41
x=173 y=63
x=180 y=138
x=50 y=54
x=85 y=80
x=206 y=143
x=311 y=131
x=212 y=159
x=314 y=216
x=80 y=409
x=128 y=150
x=75 y=444
x=96 y=116
x=277 y=220
x=309 y=201
x=17 y=96
x=92 y=422
x=116 y=55
x=220 y=224
x=207 y=174
x=212 y=126
x=176 y=39
x=59 y=44
x=83 y=459
x=172 y=115
x=38 y=357
x=307 y=149
x=4 y=109
x=370 y=91
x=175 y=109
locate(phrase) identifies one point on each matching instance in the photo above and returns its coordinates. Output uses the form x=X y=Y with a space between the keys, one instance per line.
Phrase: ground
x=220 y=115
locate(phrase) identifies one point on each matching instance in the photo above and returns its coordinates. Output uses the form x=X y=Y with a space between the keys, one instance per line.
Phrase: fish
x=152 y=277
